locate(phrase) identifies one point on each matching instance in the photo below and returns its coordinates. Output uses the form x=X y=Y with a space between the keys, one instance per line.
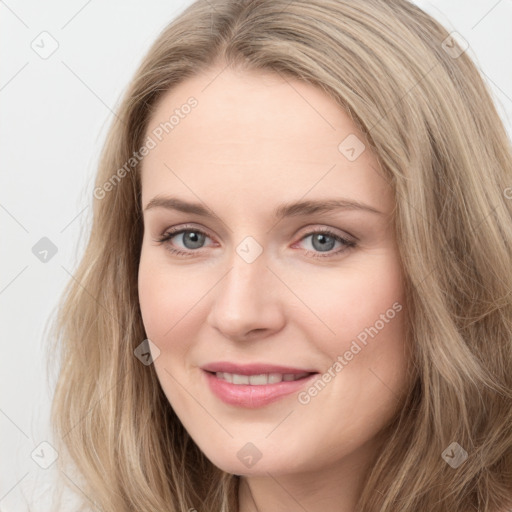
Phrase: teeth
x=240 y=379
x=274 y=378
x=259 y=380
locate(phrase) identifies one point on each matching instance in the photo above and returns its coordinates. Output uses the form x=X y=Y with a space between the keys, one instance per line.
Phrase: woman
x=219 y=350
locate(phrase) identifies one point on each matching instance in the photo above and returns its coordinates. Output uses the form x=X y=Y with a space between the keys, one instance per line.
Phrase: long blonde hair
x=431 y=120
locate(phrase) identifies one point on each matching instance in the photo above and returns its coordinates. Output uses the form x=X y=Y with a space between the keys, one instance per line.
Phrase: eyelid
x=325 y=229
x=306 y=230
x=175 y=230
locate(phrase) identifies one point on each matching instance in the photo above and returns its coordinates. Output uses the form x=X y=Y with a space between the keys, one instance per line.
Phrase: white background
x=54 y=117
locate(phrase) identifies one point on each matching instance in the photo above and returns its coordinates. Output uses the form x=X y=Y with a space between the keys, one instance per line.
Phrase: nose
x=247 y=300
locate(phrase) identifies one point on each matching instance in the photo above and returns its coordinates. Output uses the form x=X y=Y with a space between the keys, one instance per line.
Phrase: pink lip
x=251 y=396
x=253 y=369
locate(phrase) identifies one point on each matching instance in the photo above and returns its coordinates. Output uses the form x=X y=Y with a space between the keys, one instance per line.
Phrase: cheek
x=166 y=290
x=160 y=295
x=367 y=353
x=173 y=302
x=358 y=300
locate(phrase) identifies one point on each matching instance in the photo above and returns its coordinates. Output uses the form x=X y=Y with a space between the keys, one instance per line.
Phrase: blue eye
x=327 y=238
x=197 y=237
x=194 y=238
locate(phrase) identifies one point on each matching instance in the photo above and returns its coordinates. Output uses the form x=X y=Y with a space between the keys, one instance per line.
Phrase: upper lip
x=253 y=368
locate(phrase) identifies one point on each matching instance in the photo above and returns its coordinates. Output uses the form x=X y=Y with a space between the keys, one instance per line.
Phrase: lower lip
x=245 y=395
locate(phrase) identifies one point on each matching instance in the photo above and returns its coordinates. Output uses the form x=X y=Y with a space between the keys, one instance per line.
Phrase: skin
x=254 y=141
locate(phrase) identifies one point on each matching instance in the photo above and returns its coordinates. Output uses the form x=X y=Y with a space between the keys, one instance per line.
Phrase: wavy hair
x=430 y=119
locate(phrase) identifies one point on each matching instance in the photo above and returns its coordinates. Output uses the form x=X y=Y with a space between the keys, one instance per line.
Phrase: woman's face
x=278 y=296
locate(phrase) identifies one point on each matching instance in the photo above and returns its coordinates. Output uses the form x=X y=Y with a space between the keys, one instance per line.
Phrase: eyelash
x=348 y=244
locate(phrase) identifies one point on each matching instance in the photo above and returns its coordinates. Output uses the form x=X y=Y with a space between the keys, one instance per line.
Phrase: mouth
x=255 y=390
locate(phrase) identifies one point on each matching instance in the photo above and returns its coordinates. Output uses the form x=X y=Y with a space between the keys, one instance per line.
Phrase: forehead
x=257 y=135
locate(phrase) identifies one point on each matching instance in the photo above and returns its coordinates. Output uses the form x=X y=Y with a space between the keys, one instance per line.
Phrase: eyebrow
x=292 y=209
